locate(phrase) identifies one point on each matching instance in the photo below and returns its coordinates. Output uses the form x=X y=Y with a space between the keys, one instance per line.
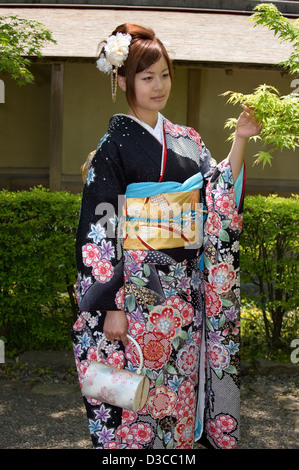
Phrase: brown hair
x=145 y=49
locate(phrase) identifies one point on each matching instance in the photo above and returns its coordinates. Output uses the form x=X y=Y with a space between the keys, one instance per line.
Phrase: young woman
x=150 y=272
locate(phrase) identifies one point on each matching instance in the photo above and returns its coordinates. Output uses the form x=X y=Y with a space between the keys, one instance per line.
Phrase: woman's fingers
x=116 y=326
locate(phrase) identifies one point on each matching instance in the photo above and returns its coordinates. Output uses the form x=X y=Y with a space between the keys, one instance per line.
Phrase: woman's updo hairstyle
x=145 y=49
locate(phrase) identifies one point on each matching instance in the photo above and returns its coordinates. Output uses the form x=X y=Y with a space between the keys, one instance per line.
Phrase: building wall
x=214 y=112
x=25 y=123
x=24 y=131
x=88 y=108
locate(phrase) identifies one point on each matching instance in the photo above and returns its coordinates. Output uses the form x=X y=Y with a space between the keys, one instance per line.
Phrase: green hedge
x=269 y=259
x=38 y=266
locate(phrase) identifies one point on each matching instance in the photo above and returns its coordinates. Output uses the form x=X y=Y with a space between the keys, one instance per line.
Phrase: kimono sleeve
x=218 y=179
x=98 y=246
x=221 y=269
x=226 y=194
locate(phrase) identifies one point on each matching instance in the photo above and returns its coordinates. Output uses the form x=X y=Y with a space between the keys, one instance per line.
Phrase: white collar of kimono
x=157 y=131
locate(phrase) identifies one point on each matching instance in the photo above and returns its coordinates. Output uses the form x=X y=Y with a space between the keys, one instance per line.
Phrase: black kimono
x=181 y=298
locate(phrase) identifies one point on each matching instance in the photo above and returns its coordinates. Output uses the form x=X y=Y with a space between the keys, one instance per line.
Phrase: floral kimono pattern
x=182 y=305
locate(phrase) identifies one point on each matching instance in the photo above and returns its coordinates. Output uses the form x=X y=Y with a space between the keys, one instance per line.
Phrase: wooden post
x=194 y=76
x=56 y=121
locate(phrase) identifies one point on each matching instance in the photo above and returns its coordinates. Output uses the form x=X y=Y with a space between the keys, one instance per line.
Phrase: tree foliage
x=269 y=258
x=269 y=16
x=279 y=114
x=21 y=39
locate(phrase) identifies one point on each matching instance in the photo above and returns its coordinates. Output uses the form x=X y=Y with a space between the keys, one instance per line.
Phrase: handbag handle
x=134 y=342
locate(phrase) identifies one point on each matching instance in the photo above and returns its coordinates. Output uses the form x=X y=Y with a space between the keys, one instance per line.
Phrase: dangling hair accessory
x=114 y=54
x=114 y=73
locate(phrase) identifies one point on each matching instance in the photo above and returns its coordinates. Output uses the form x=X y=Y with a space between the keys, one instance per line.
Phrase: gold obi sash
x=161 y=220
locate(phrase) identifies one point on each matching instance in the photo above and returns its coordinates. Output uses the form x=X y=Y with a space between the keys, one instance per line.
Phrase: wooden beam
x=56 y=124
x=194 y=78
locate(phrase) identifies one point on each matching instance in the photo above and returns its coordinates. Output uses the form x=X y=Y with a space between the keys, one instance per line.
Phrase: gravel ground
x=43 y=409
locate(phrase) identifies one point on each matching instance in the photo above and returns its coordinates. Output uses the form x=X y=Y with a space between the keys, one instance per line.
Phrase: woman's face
x=152 y=89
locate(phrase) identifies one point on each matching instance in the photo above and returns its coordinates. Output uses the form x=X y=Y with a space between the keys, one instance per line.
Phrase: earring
x=114 y=73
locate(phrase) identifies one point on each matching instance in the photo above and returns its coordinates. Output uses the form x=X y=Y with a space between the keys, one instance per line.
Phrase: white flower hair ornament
x=116 y=50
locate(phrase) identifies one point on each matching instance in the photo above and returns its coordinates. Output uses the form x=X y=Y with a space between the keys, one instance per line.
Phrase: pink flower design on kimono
x=184 y=409
x=187 y=359
x=184 y=431
x=236 y=220
x=142 y=432
x=120 y=298
x=138 y=255
x=224 y=164
x=237 y=327
x=165 y=320
x=136 y=328
x=103 y=271
x=134 y=446
x=225 y=203
x=129 y=416
x=186 y=309
x=213 y=301
x=80 y=324
x=226 y=442
x=196 y=338
x=193 y=135
x=175 y=130
x=93 y=401
x=92 y=354
x=226 y=422
x=161 y=401
x=116 y=359
x=222 y=277
x=187 y=389
x=214 y=430
x=111 y=445
x=81 y=368
x=90 y=254
x=218 y=428
x=171 y=128
x=209 y=200
x=156 y=349
x=186 y=403
x=124 y=434
x=187 y=313
x=219 y=356
x=213 y=224
x=184 y=446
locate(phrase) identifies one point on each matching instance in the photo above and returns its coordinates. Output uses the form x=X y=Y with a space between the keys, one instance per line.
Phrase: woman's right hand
x=116 y=326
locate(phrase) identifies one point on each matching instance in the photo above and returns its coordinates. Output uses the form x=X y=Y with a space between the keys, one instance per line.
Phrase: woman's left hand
x=247 y=124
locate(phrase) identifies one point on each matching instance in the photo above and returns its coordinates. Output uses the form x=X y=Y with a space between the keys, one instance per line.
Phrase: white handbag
x=117 y=387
